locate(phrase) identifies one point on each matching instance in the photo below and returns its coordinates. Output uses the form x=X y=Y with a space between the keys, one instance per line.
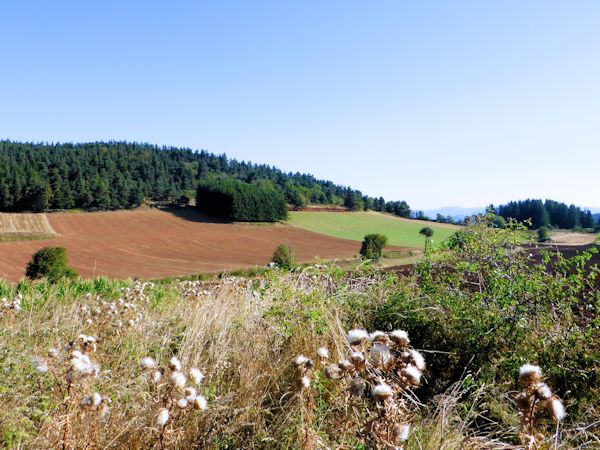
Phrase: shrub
x=372 y=246
x=50 y=262
x=284 y=256
x=543 y=235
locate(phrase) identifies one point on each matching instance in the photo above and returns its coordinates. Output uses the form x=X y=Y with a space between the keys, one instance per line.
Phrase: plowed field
x=158 y=243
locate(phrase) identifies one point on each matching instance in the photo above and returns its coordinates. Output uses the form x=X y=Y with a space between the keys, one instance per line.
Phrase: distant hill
x=119 y=175
x=456 y=212
x=596 y=217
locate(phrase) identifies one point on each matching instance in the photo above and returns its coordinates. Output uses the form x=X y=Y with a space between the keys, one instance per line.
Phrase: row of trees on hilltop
x=548 y=213
x=116 y=175
x=233 y=199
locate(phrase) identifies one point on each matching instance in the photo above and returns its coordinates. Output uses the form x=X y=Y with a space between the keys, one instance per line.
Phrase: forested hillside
x=115 y=175
x=547 y=213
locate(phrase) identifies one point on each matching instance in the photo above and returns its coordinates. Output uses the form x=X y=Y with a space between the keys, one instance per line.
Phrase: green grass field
x=354 y=225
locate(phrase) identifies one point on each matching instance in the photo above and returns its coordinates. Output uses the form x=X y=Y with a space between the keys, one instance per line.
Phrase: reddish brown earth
x=158 y=243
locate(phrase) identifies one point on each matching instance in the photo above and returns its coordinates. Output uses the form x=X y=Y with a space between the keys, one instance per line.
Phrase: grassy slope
x=400 y=232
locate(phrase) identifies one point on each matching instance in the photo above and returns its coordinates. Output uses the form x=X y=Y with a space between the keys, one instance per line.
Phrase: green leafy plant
x=50 y=262
x=372 y=246
x=284 y=256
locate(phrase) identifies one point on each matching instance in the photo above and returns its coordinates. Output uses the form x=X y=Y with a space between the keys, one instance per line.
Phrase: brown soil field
x=158 y=243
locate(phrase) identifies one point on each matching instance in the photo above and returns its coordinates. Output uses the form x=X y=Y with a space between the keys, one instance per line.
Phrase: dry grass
x=242 y=334
x=23 y=226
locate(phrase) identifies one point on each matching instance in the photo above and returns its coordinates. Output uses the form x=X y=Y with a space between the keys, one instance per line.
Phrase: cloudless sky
x=439 y=103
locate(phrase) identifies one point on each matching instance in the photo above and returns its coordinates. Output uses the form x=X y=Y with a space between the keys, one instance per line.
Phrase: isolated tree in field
x=543 y=235
x=50 y=262
x=284 y=256
x=427 y=232
x=372 y=246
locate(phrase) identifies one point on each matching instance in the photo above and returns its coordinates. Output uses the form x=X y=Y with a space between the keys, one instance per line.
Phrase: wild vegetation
x=476 y=309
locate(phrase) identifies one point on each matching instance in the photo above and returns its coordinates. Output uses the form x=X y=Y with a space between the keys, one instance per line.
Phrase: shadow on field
x=192 y=214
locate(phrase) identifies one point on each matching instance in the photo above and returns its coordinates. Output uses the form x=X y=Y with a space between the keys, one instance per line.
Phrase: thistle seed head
x=163 y=417
x=177 y=379
x=196 y=375
x=557 y=409
x=382 y=390
x=529 y=373
x=400 y=338
x=174 y=364
x=323 y=352
x=357 y=336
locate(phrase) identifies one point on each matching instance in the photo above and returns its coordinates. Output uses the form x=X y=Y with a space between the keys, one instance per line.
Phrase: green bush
x=543 y=235
x=284 y=256
x=372 y=246
x=51 y=263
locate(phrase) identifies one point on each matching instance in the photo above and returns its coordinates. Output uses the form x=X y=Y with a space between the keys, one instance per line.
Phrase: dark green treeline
x=116 y=175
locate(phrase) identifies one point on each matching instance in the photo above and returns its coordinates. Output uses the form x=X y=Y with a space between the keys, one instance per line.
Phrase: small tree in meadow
x=543 y=234
x=427 y=232
x=50 y=262
x=284 y=256
x=372 y=246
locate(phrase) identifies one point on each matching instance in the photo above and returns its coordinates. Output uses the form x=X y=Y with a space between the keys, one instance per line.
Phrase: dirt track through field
x=158 y=243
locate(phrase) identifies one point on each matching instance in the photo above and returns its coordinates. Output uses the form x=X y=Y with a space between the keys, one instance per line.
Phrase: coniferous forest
x=117 y=175
x=547 y=213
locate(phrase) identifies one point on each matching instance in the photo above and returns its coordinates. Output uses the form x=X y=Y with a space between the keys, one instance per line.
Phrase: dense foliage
x=51 y=263
x=372 y=246
x=548 y=213
x=114 y=175
x=233 y=199
x=284 y=256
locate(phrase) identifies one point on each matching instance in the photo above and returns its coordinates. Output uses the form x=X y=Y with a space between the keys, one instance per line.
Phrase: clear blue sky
x=438 y=103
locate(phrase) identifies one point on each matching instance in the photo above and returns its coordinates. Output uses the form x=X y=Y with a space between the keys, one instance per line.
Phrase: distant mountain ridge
x=456 y=212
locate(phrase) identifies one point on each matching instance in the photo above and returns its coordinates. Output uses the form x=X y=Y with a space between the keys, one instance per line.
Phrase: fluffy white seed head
x=543 y=391
x=163 y=417
x=557 y=410
x=412 y=374
x=400 y=337
x=147 y=363
x=357 y=336
x=529 y=372
x=300 y=360
x=382 y=390
x=174 y=364
x=200 y=403
x=418 y=359
x=177 y=379
x=380 y=354
x=196 y=375
x=156 y=376
x=53 y=353
x=323 y=352
x=96 y=399
x=190 y=394
x=39 y=364
x=357 y=357
x=182 y=403
x=305 y=381
x=378 y=336
x=404 y=433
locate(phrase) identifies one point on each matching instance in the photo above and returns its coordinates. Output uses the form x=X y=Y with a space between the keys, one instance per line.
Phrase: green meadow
x=354 y=225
